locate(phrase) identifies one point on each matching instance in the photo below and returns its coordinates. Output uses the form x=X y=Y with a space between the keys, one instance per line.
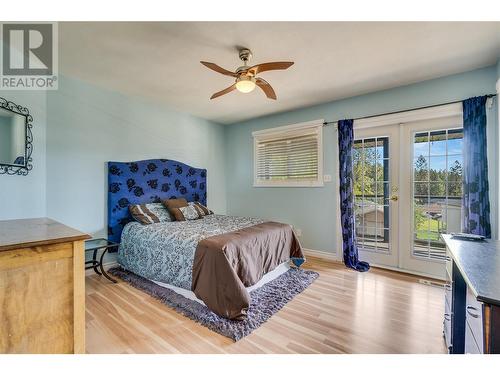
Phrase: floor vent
x=431 y=283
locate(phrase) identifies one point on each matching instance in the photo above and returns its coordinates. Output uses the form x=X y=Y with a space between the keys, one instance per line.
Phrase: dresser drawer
x=449 y=263
x=447 y=308
x=474 y=318
x=448 y=292
x=448 y=286
x=447 y=326
x=471 y=346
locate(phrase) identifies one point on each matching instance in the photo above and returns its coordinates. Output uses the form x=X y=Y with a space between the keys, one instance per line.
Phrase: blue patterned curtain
x=476 y=204
x=349 y=246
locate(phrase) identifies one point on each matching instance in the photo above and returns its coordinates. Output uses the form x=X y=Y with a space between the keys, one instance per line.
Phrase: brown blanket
x=225 y=264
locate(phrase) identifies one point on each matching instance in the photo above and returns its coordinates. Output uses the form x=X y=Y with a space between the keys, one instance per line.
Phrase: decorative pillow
x=150 y=213
x=173 y=206
x=189 y=212
x=201 y=209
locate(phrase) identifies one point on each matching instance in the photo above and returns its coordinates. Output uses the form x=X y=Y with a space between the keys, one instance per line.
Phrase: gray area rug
x=266 y=301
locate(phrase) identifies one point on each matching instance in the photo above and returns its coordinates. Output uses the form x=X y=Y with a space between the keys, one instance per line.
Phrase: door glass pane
x=437 y=198
x=437 y=166
x=371 y=191
x=455 y=193
x=421 y=145
x=421 y=168
x=421 y=192
x=455 y=140
x=455 y=163
x=382 y=149
x=384 y=191
x=437 y=145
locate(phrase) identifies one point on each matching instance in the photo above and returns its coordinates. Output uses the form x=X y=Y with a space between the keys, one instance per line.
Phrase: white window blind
x=289 y=156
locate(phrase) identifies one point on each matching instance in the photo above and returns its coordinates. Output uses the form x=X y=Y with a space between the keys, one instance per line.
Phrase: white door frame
x=408 y=261
x=390 y=259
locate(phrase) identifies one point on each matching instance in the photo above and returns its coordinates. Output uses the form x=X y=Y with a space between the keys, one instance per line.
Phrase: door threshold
x=408 y=272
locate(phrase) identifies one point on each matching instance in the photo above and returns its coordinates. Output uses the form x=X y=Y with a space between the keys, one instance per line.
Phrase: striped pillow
x=201 y=209
x=190 y=213
x=173 y=206
x=150 y=213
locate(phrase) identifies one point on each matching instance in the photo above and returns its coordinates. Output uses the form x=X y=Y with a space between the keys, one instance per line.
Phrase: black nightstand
x=95 y=245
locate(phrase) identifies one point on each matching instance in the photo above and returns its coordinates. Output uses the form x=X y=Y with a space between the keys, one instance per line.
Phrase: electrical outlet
x=298 y=232
x=327 y=178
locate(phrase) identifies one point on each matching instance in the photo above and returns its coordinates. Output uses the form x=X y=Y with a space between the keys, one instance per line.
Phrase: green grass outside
x=424 y=234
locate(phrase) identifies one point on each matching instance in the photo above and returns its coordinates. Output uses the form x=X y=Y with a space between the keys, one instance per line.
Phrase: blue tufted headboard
x=149 y=181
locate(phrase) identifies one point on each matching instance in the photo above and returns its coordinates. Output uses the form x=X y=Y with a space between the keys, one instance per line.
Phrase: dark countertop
x=479 y=263
x=19 y=233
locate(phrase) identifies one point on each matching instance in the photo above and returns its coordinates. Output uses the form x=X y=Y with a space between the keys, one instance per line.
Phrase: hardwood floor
x=341 y=312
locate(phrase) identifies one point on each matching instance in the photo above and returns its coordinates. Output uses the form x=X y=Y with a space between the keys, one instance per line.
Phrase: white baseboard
x=332 y=257
x=106 y=266
x=321 y=254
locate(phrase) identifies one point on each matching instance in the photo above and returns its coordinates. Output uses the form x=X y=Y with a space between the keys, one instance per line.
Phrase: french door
x=408 y=190
x=376 y=179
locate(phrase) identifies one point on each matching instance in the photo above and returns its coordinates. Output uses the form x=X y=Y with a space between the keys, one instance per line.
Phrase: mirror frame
x=14 y=169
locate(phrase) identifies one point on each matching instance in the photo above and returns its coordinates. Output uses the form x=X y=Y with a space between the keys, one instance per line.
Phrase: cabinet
x=472 y=296
x=42 y=287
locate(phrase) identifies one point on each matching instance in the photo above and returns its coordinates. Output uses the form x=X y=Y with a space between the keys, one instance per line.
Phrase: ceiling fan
x=245 y=75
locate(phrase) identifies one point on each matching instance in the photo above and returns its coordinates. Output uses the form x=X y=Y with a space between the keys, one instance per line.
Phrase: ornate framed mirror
x=16 y=139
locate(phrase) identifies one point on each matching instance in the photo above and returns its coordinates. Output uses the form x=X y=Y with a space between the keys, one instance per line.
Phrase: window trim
x=280 y=132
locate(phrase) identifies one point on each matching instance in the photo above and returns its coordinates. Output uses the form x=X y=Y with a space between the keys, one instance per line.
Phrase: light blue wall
x=313 y=209
x=88 y=126
x=24 y=196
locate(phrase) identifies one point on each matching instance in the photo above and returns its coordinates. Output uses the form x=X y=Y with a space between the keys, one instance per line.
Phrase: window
x=437 y=190
x=289 y=155
x=371 y=193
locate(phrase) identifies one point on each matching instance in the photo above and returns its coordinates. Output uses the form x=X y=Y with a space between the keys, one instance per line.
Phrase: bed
x=216 y=260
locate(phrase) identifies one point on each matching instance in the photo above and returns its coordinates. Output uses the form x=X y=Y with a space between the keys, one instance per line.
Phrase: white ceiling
x=333 y=60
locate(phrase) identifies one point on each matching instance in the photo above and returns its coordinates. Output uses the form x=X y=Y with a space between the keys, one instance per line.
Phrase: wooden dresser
x=42 y=287
x=472 y=296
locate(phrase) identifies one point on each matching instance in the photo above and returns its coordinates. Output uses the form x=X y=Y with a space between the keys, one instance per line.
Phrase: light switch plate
x=327 y=178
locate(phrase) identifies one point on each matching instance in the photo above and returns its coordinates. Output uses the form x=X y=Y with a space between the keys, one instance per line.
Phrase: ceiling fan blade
x=218 y=69
x=222 y=92
x=277 y=65
x=266 y=87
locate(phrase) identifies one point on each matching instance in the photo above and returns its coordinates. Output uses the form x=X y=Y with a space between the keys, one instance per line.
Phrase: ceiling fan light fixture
x=245 y=84
x=245 y=75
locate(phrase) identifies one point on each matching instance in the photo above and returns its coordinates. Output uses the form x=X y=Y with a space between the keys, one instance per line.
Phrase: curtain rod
x=405 y=110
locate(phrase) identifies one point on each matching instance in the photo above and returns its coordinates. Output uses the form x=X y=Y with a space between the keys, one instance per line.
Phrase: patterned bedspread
x=165 y=251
